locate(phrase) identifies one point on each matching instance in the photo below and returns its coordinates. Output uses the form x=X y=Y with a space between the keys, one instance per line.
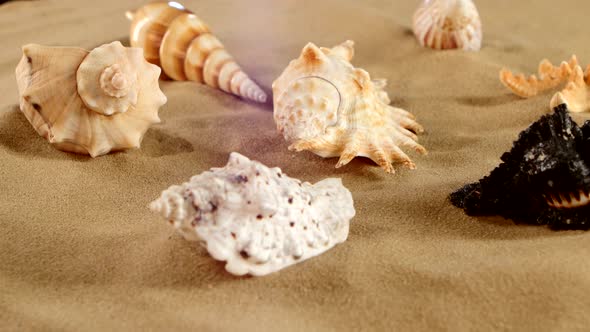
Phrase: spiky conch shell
x=256 y=218
x=182 y=44
x=324 y=105
x=448 y=24
x=89 y=102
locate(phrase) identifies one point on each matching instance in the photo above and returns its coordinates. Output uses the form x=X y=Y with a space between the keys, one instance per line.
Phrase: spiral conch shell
x=182 y=44
x=325 y=105
x=256 y=218
x=89 y=102
x=448 y=24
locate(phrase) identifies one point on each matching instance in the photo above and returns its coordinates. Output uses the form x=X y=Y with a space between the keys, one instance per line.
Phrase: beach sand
x=80 y=251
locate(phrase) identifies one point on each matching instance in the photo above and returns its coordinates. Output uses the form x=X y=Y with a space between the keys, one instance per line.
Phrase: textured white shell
x=448 y=24
x=256 y=218
x=94 y=121
x=325 y=105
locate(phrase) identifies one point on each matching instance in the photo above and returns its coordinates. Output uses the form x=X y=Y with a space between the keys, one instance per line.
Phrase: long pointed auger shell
x=324 y=105
x=448 y=24
x=182 y=44
x=89 y=102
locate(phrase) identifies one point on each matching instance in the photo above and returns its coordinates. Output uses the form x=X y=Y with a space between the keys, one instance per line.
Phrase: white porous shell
x=256 y=218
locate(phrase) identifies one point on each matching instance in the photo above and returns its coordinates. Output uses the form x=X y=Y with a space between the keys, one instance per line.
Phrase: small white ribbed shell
x=448 y=24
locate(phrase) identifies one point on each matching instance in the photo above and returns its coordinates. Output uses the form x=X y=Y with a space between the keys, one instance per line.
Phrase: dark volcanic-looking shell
x=544 y=179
